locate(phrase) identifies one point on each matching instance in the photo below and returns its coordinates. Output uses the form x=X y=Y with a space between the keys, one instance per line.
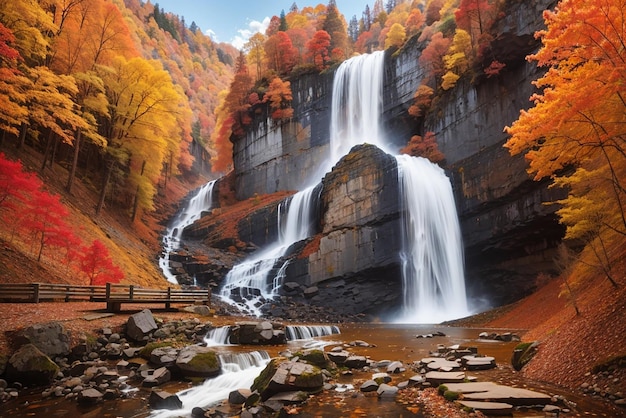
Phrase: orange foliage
x=424 y=147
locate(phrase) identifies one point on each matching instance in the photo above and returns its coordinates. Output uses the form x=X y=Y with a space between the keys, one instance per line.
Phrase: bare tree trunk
x=105 y=184
x=22 y=141
x=72 y=174
x=47 y=151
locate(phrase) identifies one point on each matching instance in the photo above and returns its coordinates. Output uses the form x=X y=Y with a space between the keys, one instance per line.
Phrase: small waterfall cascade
x=307 y=332
x=432 y=249
x=238 y=371
x=255 y=280
x=192 y=211
x=218 y=336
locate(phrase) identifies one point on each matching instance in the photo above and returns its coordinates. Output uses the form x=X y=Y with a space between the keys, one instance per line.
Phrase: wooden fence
x=113 y=294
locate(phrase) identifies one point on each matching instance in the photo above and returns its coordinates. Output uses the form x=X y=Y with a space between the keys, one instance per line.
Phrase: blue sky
x=234 y=21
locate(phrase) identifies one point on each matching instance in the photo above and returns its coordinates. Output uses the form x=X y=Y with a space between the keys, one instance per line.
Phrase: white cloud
x=254 y=26
x=211 y=34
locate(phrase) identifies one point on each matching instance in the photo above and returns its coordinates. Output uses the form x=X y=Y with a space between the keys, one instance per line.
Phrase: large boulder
x=31 y=367
x=282 y=375
x=140 y=325
x=50 y=338
x=200 y=361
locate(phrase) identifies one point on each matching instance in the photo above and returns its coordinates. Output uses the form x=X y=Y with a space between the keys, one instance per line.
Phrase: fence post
x=67 y=293
x=36 y=292
x=131 y=291
x=108 y=291
x=169 y=298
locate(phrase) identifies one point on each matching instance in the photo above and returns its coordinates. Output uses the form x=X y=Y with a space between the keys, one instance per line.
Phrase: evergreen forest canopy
x=118 y=90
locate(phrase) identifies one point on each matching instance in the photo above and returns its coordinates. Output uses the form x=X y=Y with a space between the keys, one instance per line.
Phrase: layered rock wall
x=508 y=231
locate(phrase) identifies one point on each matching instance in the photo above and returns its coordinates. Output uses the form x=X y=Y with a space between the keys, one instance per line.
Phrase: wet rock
x=239 y=396
x=156 y=377
x=31 y=367
x=198 y=361
x=164 y=356
x=257 y=333
x=90 y=396
x=355 y=362
x=369 y=386
x=387 y=391
x=282 y=375
x=160 y=399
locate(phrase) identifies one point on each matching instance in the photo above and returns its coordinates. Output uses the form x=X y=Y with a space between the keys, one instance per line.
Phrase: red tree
x=280 y=53
x=318 y=49
x=98 y=266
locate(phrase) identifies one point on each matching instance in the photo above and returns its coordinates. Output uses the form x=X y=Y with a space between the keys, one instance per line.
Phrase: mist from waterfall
x=200 y=202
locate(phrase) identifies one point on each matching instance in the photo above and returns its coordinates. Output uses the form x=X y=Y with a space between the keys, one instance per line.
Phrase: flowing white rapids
x=200 y=202
x=218 y=336
x=432 y=249
x=255 y=280
x=308 y=332
x=238 y=371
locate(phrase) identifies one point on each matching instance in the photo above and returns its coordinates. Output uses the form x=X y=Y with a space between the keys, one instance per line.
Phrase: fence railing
x=113 y=294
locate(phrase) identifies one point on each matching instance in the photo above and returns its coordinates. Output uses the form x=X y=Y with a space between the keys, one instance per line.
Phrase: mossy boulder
x=31 y=367
x=282 y=375
x=198 y=361
x=523 y=353
x=317 y=358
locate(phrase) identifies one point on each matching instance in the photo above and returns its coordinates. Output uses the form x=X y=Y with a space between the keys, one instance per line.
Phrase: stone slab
x=489 y=408
x=489 y=391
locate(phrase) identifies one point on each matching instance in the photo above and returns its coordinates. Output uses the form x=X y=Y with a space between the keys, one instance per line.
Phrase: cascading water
x=357 y=105
x=200 y=202
x=432 y=255
x=238 y=371
x=307 y=332
x=432 y=251
x=250 y=283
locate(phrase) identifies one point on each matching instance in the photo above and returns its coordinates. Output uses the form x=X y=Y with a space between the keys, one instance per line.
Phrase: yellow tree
x=395 y=36
x=576 y=130
x=91 y=33
x=141 y=130
x=456 y=60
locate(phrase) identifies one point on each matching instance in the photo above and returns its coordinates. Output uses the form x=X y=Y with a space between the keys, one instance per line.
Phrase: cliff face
x=509 y=233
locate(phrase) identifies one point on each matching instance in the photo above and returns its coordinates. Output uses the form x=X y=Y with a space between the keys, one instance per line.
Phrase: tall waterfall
x=192 y=211
x=432 y=251
x=257 y=279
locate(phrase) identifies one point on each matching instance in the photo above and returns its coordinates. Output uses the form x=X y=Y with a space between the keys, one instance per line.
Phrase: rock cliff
x=352 y=263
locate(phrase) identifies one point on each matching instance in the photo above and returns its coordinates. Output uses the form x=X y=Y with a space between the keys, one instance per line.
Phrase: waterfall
x=432 y=252
x=218 y=336
x=238 y=371
x=307 y=332
x=250 y=283
x=192 y=211
x=357 y=105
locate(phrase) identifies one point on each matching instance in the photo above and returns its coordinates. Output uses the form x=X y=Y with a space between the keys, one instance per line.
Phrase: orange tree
x=576 y=131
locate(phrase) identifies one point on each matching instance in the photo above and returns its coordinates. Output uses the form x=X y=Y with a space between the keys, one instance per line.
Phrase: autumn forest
x=127 y=97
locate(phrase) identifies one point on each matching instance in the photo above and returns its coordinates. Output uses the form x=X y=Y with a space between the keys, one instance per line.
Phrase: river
x=388 y=342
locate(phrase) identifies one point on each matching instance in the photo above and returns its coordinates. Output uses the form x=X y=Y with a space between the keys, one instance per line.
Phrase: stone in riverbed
x=488 y=408
x=369 y=386
x=28 y=365
x=198 y=361
x=355 y=362
x=160 y=399
x=387 y=391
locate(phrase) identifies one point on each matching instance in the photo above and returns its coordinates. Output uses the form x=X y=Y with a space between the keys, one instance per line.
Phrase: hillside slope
x=133 y=246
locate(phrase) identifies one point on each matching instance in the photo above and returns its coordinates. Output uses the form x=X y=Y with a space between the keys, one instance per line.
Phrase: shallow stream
x=389 y=342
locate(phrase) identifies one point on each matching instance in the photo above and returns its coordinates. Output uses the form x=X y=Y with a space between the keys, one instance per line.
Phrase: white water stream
x=239 y=371
x=192 y=211
x=249 y=284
